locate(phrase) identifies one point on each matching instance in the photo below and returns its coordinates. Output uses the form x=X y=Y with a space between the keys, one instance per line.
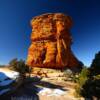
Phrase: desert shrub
x=83 y=76
x=81 y=79
x=68 y=72
x=68 y=75
x=19 y=65
x=75 y=77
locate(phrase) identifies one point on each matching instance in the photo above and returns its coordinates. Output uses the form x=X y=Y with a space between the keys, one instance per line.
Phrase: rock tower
x=51 y=42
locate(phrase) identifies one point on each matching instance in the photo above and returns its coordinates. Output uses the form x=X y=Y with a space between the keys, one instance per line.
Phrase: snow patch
x=45 y=91
x=2 y=76
x=10 y=74
x=51 y=92
x=59 y=92
x=6 y=78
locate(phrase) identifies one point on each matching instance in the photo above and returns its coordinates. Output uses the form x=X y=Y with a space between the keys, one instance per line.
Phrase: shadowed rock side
x=51 y=42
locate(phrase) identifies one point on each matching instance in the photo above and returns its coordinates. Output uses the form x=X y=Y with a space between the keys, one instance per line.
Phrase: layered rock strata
x=51 y=42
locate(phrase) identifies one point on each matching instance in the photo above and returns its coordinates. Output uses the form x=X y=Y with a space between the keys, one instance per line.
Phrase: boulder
x=51 y=42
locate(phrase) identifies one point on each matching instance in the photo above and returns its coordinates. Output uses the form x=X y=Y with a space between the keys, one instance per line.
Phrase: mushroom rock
x=51 y=42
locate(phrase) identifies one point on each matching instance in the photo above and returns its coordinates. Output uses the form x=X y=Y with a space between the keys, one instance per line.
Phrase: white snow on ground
x=51 y=92
x=59 y=92
x=4 y=91
x=45 y=91
x=6 y=78
x=2 y=76
x=10 y=74
x=6 y=82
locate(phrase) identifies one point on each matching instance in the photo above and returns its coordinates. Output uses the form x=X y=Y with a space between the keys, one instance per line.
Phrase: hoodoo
x=51 y=42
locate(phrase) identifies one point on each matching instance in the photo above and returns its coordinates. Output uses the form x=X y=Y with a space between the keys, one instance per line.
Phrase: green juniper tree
x=19 y=65
x=95 y=66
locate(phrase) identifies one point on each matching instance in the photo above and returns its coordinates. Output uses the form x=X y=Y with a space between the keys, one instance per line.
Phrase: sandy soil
x=29 y=90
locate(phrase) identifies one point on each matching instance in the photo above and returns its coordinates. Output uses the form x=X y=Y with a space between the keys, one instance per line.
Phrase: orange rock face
x=51 y=42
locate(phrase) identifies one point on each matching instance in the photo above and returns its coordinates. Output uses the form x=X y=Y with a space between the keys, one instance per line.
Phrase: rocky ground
x=45 y=88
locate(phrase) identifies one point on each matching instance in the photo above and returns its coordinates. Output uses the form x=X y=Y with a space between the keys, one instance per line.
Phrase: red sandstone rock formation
x=51 y=42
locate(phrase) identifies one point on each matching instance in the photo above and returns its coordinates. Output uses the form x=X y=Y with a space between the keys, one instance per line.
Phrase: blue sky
x=15 y=30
